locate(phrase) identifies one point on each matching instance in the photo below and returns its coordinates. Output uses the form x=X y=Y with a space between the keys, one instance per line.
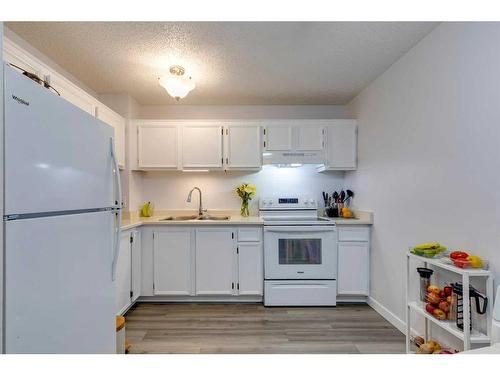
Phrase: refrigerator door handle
x=116 y=243
x=118 y=213
x=116 y=174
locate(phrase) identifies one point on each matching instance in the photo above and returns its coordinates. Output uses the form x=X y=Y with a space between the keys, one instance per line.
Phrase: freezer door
x=57 y=157
x=60 y=297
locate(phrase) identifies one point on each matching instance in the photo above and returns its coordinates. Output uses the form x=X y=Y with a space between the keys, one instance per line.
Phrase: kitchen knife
x=335 y=197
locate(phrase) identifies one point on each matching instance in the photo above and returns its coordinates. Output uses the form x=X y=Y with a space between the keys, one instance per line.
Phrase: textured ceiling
x=231 y=62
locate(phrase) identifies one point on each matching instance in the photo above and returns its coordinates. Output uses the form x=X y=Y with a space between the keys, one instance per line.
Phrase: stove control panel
x=287 y=202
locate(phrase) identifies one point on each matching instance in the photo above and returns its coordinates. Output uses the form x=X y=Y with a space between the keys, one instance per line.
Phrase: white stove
x=300 y=253
x=291 y=211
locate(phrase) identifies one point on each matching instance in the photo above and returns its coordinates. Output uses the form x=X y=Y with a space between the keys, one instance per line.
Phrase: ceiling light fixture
x=176 y=83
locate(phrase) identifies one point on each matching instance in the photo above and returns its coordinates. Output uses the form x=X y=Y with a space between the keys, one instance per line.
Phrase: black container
x=332 y=212
x=425 y=281
x=459 y=304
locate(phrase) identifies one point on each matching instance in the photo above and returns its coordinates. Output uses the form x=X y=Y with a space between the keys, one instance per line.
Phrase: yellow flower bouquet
x=246 y=192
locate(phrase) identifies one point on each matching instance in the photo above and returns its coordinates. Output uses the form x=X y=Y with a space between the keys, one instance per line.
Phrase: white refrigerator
x=61 y=223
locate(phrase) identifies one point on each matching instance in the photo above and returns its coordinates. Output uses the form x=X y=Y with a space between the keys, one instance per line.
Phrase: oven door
x=300 y=252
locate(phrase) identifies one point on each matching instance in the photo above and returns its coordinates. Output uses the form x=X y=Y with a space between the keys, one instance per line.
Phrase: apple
x=442 y=294
x=433 y=298
x=447 y=290
x=444 y=351
x=439 y=314
x=435 y=345
x=458 y=255
x=449 y=299
x=429 y=308
x=433 y=289
x=445 y=306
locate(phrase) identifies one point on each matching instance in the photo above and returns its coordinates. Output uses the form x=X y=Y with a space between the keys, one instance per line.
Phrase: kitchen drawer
x=353 y=234
x=300 y=293
x=249 y=234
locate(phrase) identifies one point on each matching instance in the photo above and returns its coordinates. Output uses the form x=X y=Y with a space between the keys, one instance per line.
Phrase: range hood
x=293 y=158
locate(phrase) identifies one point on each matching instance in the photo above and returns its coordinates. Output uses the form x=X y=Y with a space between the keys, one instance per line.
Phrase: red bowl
x=461 y=263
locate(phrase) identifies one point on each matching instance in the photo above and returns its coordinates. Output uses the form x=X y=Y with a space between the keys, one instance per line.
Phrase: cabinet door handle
x=232 y=286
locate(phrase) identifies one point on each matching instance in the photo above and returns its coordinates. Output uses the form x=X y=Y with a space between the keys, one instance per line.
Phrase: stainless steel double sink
x=196 y=218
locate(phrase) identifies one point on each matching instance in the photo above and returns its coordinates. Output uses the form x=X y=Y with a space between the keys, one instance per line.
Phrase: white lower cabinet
x=207 y=262
x=123 y=274
x=353 y=263
x=128 y=270
x=173 y=251
x=215 y=250
x=250 y=268
x=136 y=264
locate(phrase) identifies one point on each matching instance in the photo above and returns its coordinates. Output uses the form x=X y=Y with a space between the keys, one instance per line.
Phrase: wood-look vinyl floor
x=253 y=328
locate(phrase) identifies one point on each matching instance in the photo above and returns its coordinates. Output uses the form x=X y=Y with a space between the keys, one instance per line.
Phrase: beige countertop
x=361 y=218
x=234 y=219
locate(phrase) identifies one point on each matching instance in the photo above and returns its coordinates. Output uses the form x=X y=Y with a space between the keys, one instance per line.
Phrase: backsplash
x=168 y=190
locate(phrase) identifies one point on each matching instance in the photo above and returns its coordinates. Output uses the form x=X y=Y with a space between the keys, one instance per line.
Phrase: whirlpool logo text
x=19 y=100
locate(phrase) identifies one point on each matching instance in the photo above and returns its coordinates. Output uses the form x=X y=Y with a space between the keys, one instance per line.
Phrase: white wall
x=180 y=111
x=429 y=141
x=168 y=190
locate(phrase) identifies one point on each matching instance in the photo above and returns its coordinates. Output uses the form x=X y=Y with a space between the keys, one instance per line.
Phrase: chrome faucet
x=200 y=208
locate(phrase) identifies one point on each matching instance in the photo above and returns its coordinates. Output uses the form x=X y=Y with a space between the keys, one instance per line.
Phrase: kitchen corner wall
x=429 y=153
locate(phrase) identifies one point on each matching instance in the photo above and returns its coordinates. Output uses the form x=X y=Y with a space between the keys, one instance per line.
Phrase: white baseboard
x=388 y=315
x=201 y=299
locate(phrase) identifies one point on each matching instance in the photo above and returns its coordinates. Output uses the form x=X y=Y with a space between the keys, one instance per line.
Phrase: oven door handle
x=292 y=229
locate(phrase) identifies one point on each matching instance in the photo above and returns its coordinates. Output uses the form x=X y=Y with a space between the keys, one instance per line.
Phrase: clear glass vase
x=244 y=211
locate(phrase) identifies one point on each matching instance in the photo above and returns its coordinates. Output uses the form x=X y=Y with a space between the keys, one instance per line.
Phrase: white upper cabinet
x=157 y=146
x=201 y=146
x=118 y=123
x=12 y=54
x=341 y=145
x=243 y=147
x=294 y=136
x=279 y=137
x=72 y=93
x=309 y=138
